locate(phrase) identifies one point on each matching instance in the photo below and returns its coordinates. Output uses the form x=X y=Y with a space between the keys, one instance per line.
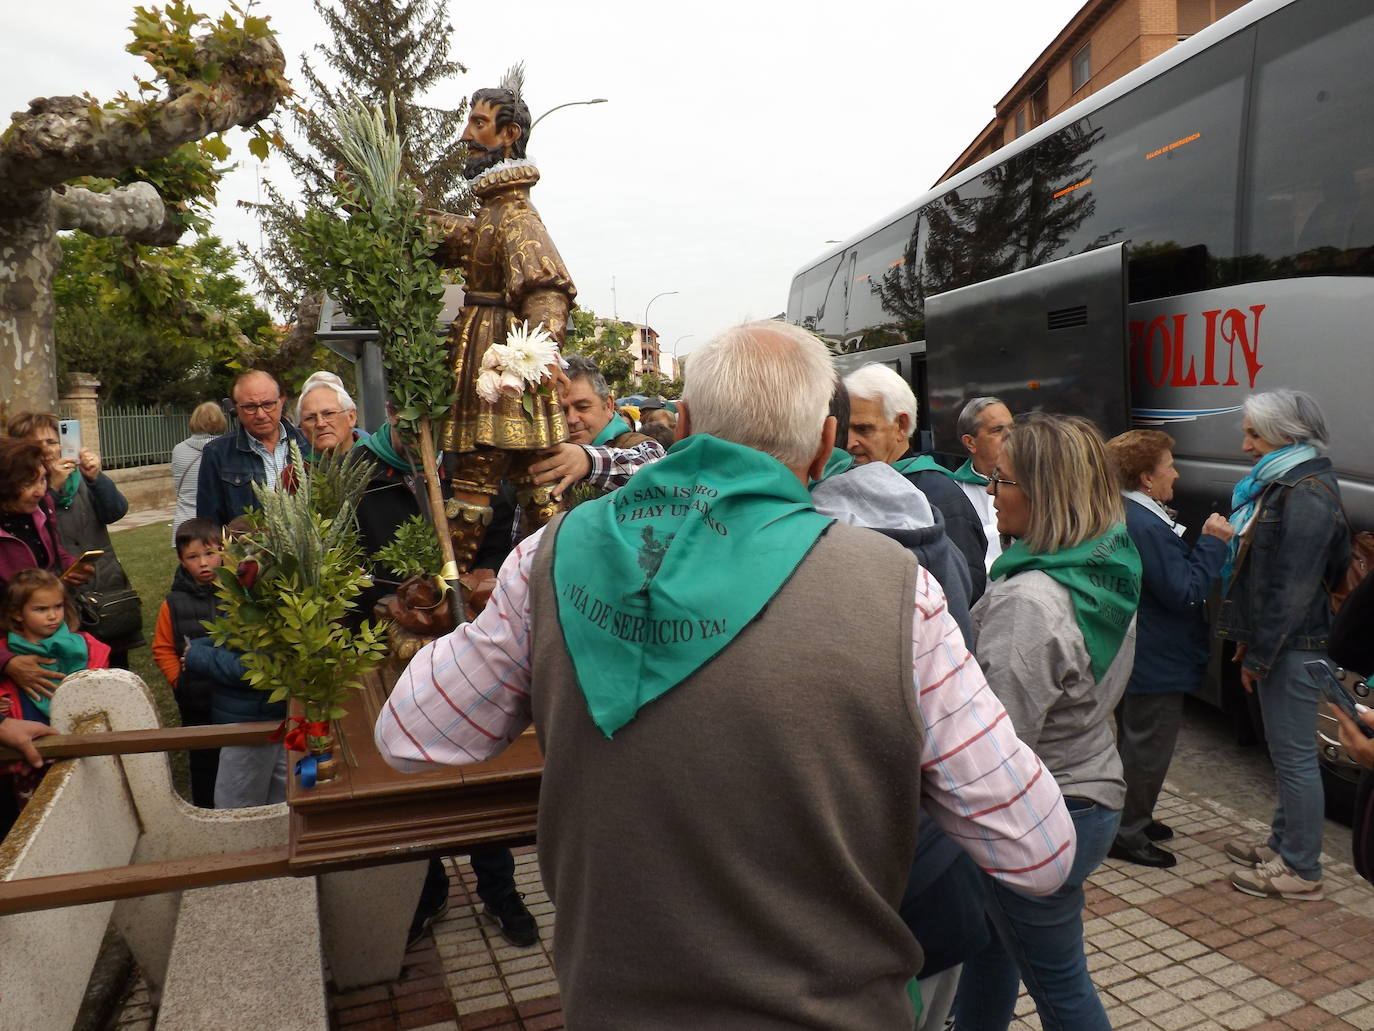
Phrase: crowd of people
x=717 y=722
x=761 y=803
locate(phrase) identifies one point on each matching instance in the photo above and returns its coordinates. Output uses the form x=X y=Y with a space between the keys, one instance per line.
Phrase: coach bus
x=1234 y=173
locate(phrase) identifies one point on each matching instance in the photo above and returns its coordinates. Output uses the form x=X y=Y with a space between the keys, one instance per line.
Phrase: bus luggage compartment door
x=1050 y=338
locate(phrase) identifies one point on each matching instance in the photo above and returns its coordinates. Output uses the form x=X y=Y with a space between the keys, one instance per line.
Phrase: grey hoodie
x=880 y=498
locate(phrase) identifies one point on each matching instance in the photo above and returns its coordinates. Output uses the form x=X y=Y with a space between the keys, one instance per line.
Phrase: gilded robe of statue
x=511 y=273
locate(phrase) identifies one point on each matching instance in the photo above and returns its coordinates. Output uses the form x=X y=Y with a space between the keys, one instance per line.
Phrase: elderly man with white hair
x=734 y=762
x=882 y=418
x=327 y=415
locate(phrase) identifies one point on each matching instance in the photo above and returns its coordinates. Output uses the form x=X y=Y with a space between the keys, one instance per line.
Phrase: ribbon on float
x=308 y=768
x=294 y=730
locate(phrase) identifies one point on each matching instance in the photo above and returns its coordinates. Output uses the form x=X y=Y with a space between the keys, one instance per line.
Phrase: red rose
x=290 y=479
x=247 y=573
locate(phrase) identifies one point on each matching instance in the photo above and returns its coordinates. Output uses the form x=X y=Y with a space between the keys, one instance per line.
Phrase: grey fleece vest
x=734 y=858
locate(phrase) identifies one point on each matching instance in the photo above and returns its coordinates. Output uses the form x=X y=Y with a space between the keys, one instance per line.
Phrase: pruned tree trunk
x=29 y=254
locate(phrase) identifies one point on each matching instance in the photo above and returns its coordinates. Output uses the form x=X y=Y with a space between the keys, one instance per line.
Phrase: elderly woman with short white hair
x=327 y=415
x=1291 y=541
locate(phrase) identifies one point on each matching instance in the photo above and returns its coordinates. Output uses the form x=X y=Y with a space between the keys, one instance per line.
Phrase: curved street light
x=571 y=103
x=665 y=293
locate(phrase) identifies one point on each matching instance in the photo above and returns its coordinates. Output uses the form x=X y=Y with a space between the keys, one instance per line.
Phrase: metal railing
x=141 y=435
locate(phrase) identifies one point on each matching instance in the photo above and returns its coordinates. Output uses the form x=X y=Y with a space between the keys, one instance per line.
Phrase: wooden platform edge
x=124 y=882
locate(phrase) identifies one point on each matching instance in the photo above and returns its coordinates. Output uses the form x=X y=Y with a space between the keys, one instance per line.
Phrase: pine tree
x=380 y=49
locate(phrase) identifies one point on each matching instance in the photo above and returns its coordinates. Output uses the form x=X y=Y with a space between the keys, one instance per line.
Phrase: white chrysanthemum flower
x=530 y=352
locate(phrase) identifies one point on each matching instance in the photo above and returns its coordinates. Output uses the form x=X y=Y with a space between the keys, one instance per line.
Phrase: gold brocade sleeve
x=538 y=285
x=455 y=232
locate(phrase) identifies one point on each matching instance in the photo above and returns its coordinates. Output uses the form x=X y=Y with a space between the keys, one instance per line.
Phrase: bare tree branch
x=135 y=211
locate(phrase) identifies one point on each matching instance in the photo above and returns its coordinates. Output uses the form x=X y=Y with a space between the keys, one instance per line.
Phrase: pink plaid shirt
x=466 y=696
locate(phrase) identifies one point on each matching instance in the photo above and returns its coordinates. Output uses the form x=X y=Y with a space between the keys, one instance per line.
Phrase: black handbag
x=112 y=616
x=1362 y=827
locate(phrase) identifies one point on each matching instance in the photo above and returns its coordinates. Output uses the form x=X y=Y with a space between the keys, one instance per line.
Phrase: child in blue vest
x=190 y=603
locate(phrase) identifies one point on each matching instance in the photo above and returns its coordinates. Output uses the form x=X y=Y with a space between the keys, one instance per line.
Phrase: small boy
x=181 y=620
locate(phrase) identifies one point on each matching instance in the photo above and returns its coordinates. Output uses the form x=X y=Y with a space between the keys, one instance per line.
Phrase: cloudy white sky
x=739 y=136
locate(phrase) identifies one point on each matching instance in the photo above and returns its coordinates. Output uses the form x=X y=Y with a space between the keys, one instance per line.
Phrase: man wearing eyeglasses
x=255 y=451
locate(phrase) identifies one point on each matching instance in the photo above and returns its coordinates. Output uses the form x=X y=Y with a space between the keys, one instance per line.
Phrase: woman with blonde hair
x=1055 y=635
x=207 y=423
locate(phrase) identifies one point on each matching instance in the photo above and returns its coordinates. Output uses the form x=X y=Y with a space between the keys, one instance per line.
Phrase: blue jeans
x=1040 y=940
x=1288 y=700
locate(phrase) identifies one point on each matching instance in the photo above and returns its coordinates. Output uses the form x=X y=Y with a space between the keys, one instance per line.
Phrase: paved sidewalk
x=1170 y=949
x=134 y=520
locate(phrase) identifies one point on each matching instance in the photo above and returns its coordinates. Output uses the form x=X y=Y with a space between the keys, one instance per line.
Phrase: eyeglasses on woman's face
x=996 y=482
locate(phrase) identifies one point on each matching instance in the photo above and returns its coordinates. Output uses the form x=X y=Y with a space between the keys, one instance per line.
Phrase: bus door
x=1051 y=338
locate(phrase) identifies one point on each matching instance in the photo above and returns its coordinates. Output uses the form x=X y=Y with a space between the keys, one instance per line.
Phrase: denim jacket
x=228 y=468
x=1299 y=542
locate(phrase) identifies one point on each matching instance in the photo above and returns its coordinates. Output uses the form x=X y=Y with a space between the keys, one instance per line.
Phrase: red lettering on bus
x=1158 y=351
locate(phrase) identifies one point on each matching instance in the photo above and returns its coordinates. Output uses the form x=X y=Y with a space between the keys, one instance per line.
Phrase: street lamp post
x=665 y=293
x=679 y=340
x=571 y=103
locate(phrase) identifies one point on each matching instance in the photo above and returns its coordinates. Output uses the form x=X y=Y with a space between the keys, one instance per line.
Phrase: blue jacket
x=228 y=469
x=1171 y=645
x=1298 y=543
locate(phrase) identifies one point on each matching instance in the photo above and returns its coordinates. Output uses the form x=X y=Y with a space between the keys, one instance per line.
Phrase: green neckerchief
x=611 y=430
x=380 y=444
x=919 y=464
x=967 y=474
x=654 y=580
x=66 y=646
x=67 y=494
x=838 y=462
x=1103 y=579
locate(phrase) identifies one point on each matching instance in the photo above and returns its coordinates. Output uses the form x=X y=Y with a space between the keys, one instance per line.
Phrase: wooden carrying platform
x=370 y=814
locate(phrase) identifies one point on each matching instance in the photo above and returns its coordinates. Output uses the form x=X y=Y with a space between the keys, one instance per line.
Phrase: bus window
x=822 y=300
x=974 y=232
x=1155 y=169
x=885 y=303
x=1310 y=203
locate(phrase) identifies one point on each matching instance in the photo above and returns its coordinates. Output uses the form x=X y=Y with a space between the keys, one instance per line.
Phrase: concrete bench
x=99 y=812
x=246 y=957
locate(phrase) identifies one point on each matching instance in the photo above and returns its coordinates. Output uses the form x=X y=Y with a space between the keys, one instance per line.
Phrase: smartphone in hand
x=69 y=438
x=1336 y=693
x=87 y=559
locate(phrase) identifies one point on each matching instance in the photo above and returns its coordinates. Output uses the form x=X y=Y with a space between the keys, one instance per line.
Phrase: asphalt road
x=1210 y=764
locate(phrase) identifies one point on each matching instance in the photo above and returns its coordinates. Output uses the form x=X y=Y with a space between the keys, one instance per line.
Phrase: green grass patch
x=149 y=560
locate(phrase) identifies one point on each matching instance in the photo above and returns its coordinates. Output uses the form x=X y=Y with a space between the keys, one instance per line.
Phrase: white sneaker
x=1275 y=881
x=1249 y=853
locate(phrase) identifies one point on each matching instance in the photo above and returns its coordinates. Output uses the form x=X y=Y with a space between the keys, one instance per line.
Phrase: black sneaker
x=422 y=923
x=516 y=922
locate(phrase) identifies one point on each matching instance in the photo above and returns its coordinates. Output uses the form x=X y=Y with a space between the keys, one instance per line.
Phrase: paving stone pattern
x=1170 y=949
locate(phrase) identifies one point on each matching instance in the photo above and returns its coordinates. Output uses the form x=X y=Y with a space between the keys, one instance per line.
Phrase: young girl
x=39 y=617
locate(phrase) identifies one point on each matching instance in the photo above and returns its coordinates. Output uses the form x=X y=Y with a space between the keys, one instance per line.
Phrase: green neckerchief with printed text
x=919 y=464
x=1102 y=576
x=611 y=430
x=656 y=579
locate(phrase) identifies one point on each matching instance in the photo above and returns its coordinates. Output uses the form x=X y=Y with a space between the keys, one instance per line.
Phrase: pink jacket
x=15 y=555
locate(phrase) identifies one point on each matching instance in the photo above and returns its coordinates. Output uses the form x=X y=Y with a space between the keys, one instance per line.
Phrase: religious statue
x=513 y=277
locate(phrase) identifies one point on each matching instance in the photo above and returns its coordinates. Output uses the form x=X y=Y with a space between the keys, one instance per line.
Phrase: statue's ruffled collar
x=505 y=174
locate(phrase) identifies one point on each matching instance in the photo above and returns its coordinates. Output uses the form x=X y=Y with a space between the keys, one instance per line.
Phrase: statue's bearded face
x=487 y=145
